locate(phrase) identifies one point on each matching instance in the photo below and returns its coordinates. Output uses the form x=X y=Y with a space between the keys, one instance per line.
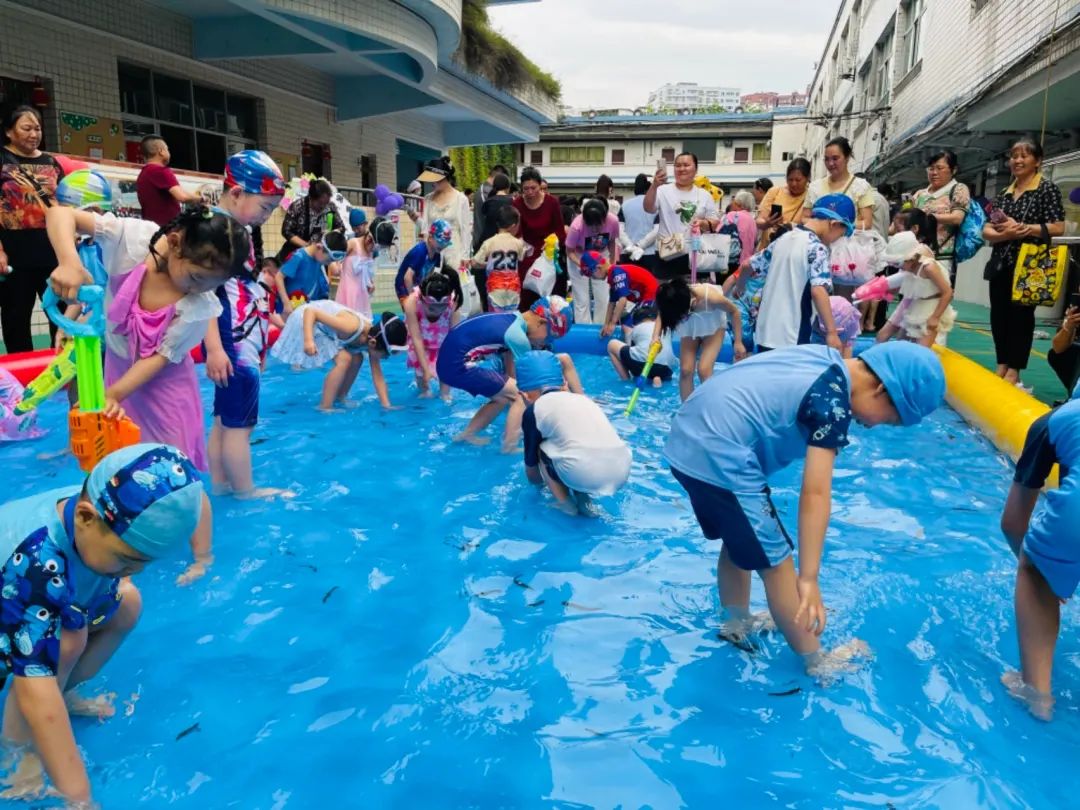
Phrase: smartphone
x=1074 y=301
x=777 y=210
x=661 y=164
x=997 y=216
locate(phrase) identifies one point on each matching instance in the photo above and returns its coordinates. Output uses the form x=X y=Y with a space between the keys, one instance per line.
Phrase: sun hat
x=436 y=170
x=911 y=374
x=837 y=207
x=538 y=371
x=150 y=495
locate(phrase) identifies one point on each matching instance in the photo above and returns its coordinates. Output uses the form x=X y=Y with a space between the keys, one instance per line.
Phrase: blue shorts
x=1051 y=542
x=237 y=404
x=635 y=367
x=746 y=521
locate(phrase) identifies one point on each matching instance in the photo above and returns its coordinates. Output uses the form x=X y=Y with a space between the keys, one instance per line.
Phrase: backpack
x=968 y=238
x=729 y=227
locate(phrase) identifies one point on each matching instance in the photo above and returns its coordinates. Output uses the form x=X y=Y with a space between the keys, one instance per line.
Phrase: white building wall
x=82 y=65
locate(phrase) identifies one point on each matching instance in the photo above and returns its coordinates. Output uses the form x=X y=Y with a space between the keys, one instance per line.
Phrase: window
x=668 y=155
x=536 y=157
x=762 y=153
x=742 y=154
x=913 y=34
x=577 y=154
x=788 y=157
x=202 y=125
x=618 y=157
x=704 y=148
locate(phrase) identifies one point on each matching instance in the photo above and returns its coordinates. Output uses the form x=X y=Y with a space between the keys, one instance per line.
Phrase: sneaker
x=1039 y=334
x=1027 y=389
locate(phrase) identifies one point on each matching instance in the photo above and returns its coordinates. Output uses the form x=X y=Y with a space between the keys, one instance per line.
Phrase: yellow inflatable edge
x=1000 y=410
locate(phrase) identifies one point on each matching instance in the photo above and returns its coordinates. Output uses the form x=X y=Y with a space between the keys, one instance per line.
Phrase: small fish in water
x=537 y=603
x=309 y=565
x=188 y=730
x=259 y=441
x=520 y=584
x=786 y=692
x=576 y=606
x=328 y=594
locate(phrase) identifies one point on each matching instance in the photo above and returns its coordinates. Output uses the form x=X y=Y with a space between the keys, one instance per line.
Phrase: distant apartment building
x=770 y=101
x=690 y=95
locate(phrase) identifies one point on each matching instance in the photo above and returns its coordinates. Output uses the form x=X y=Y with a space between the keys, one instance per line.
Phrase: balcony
x=381 y=57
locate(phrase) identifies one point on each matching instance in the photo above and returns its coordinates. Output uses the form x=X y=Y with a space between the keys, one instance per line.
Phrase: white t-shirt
x=860 y=192
x=639 y=224
x=641 y=339
x=677 y=208
x=583 y=447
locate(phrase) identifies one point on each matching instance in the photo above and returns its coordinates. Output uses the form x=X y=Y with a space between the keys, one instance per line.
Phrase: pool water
x=420 y=628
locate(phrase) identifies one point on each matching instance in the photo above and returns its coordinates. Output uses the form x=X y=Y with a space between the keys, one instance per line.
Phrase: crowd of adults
x=649 y=228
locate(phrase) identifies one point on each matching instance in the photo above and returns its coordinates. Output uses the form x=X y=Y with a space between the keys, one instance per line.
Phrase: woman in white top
x=679 y=205
x=447 y=203
x=842 y=181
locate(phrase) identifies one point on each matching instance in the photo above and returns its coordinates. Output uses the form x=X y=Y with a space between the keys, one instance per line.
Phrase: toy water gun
x=654 y=350
x=879 y=288
x=59 y=372
x=93 y=435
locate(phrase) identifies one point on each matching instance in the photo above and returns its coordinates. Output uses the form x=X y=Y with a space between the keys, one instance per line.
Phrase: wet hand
x=606 y=330
x=811 y=613
x=218 y=367
x=740 y=351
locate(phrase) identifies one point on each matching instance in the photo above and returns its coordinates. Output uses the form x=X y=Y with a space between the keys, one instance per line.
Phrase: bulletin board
x=87 y=135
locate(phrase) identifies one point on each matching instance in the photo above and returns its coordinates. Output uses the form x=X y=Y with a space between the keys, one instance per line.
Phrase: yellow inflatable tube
x=1001 y=411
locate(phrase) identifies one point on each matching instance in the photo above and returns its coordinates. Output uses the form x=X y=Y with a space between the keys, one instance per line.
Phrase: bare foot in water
x=742 y=631
x=27 y=780
x=265 y=493
x=828 y=665
x=472 y=438
x=100 y=706
x=197 y=570
x=1040 y=704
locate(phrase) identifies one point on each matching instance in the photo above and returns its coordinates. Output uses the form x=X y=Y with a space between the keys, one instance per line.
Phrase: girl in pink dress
x=357 y=282
x=430 y=311
x=159 y=299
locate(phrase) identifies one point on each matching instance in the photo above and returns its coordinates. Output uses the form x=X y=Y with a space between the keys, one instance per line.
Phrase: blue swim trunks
x=747 y=522
x=237 y=404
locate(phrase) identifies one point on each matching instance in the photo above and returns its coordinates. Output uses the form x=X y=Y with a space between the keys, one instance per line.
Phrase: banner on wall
x=100 y=138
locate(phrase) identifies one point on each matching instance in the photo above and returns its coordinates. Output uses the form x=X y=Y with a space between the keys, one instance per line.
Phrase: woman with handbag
x=679 y=206
x=541 y=216
x=948 y=200
x=1028 y=211
x=841 y=181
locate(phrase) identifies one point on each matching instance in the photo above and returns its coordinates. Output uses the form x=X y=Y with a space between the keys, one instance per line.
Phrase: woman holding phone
x=679 y=206
x=782 y=206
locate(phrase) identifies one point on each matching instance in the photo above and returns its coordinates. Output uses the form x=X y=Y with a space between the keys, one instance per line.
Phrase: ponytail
x=926 y=226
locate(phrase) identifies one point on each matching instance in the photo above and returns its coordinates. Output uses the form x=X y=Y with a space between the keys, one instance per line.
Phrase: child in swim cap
x=477 y=357
x=569 y=443
x=753 y=419
x=236 y=343
x=66 y=603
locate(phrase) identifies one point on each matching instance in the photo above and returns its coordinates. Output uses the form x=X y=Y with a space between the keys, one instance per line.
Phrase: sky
x=613 y=53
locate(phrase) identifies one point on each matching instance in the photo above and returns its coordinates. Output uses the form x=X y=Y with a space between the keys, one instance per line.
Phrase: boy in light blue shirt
x=65 y=602
x=1047 y=545
x=753 y=419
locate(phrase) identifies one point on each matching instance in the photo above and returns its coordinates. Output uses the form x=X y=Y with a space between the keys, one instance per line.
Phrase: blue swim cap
x=150 y=495
x=912 y=375
x=357 y=217
x=837 y=207
x=538 y=371
x=255 y=173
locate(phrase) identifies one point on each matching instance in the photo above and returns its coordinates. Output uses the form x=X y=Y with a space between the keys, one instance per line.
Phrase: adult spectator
x=28 y=178
x=761 y=188
x=445 y=202
x=541 y=216
x=483 y=193
x=880 y=219
x=498 y=197
x=639 y=227
x=948 y=200
x=594 y=230
x=160 y=193
x=605 y=190
x=679 y=205
x=305 y=220
x=841 y=181
x=1030 y=209
x=740 y=214
x=791 y=197
x=1064 y=354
